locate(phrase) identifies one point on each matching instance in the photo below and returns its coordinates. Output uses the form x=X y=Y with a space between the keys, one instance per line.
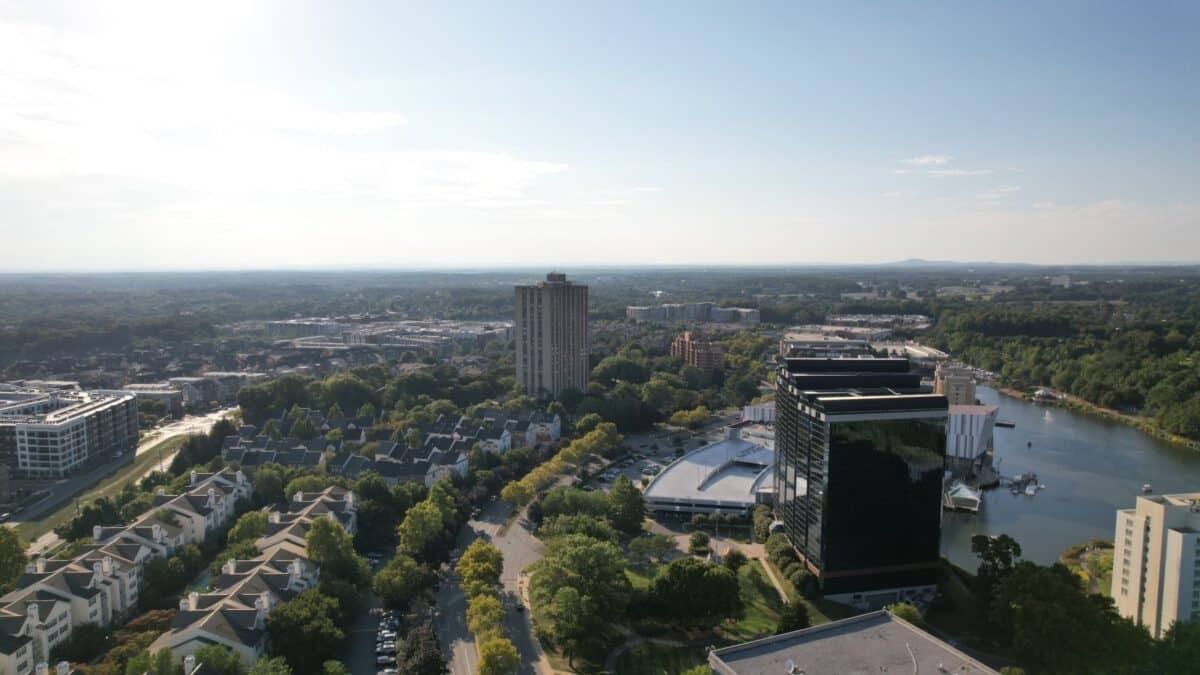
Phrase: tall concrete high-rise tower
x=552 y=335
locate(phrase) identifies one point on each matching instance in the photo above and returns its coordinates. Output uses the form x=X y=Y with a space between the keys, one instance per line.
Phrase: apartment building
x=233 y=613
x=50 y=434
x=100 y=584
x=706 y=355
x=956 y=383
x=1156 y=561
x=552 y=336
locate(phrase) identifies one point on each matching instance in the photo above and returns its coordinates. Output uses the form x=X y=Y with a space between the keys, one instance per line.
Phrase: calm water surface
x=1090 y=468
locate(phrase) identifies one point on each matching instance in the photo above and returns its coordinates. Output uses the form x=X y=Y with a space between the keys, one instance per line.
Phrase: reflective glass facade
x=858 y=482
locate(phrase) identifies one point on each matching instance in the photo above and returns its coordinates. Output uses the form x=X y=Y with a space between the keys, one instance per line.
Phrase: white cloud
x=80 y=106
x=998 y=192
x=958 y=172
x=928 y=160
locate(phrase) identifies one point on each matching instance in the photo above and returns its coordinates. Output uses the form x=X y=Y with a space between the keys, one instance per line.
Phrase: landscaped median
x=109 y=486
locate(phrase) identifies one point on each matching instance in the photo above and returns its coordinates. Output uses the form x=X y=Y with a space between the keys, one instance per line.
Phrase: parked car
x=385 y=660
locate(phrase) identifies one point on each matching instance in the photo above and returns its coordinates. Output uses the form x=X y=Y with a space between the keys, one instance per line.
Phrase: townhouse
x=101 y=584
x=232 y=613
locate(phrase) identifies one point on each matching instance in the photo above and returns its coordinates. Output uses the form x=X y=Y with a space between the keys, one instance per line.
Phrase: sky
x=235 y=134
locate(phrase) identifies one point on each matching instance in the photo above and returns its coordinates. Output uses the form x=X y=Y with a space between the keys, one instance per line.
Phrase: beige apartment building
x=956 y=384
x=552 y=335
x=1156 y=561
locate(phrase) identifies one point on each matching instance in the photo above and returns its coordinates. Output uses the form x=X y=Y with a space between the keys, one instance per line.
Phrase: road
x=520 y=549
x=191 y=424
x=64 y=489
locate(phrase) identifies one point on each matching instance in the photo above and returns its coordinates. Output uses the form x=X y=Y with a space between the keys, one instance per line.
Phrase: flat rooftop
x=876 y=642
x=728 y=472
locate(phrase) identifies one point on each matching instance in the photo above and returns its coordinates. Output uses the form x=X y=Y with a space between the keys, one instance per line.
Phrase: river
x=1091 y=468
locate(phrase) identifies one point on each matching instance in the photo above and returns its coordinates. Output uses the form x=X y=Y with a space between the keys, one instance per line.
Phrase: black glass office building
x=859 y=458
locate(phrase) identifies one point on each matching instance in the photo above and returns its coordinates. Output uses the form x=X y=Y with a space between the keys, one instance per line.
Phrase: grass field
x=821 y=611
x=761 y=601
x=649 y=659
x=107 y=487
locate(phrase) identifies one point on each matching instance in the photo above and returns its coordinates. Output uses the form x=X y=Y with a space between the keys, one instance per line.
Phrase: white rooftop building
x=729 y=476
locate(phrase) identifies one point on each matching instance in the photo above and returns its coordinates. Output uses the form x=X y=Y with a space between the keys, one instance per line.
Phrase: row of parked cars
x=385 y=642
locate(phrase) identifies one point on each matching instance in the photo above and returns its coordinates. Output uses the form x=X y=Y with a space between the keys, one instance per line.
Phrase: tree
x=485 y=617
x=1179 y=650
x=498 y=656
x=308 y=483
x=268 y=484
x=276 y=665
x=398 y=582
x=12 y=558
x=420 y=653
x=997 y=555
x=1052 y=625
x=694 y=590
x=762 y=522
x=250 y=526
x=587 y=423
x=626 y=508
x=517 y=493
x=591 y=526
x=303 y=429
x=332 y=667
x=305 y=631
x=793 y=617
x=734 y=560
x=698 y=543
x=565 y=618
x=907 y=612
x=655 y=546
x=368 y=411
x=332 y=548
x=480 y=567
x=220 y=659
x=335 y=412
x=271 y=430
x=595 y=569
x=421 y=527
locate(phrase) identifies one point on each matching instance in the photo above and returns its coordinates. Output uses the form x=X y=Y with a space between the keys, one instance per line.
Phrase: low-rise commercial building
x=1156 y=561
x=956 y=383
x=693 y=312
x=876 y=642
x=729 y=476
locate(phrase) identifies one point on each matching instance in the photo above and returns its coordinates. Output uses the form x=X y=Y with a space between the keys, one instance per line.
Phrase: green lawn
x=649 y=659
x=761 y=602
x=819 y=612
x=107 y=487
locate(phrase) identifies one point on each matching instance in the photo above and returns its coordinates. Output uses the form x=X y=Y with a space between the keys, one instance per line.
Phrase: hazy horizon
x=148 y=136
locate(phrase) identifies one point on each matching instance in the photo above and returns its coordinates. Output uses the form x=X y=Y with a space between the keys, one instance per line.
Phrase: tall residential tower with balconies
x=552 y=335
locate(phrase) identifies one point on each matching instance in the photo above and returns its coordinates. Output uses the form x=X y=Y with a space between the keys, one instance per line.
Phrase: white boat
x=1030 y=490
x=960 y=497
x=1147 y=488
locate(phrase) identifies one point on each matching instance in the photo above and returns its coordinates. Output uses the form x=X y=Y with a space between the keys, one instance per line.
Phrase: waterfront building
x=49 y=434
x=1156 y=561
x=859 y=459
x=552 y=335
x=877 y=642
x=705 y=355
x=956 y=383
x=970 y=431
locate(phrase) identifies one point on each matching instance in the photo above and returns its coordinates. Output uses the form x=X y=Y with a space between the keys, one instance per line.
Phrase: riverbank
x=1142 y=424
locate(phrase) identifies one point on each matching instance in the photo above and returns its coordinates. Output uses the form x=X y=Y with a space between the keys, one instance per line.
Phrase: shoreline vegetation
x=1072 y=402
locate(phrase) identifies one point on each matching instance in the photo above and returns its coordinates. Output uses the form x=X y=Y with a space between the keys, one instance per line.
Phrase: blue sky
x=263 y=135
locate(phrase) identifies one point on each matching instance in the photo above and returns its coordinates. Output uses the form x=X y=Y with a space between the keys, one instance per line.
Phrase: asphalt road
x=520 y=549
